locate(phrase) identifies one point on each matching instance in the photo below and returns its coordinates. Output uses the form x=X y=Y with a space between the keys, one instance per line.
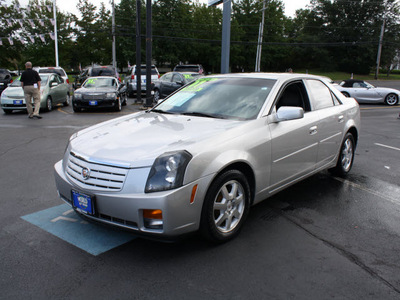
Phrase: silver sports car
x=200 y=159
x=365 y=92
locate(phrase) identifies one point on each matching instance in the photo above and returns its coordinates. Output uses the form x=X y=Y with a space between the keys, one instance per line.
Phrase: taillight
x=133 y=77
x=11 y=81
x=68 y=81
x=159 y=76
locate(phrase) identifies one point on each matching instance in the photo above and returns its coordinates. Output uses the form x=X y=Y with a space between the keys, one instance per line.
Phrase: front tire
x=391 y=99
x=118 y=104
x=346 y=156
x=225 y=207
x=49 y=104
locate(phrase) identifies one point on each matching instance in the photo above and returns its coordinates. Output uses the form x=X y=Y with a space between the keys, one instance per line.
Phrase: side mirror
x=286 y=113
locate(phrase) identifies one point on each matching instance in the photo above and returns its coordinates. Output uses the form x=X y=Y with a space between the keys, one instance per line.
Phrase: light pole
x=55 y=31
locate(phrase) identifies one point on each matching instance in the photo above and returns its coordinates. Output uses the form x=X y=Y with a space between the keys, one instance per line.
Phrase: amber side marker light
x=152 y=218
x=194 y=190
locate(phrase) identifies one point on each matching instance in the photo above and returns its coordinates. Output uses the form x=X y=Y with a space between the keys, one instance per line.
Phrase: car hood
x=96 y=90
x=136 y=140
x=384 y=90
x=14 y=92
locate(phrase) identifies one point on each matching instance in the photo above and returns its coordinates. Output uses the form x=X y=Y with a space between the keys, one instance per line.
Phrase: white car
x=57 y=70
x=200 y=158
x=132 y=79
x=365 y=92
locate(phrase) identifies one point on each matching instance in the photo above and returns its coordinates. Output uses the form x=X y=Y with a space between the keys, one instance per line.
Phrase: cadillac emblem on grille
x=85 y=173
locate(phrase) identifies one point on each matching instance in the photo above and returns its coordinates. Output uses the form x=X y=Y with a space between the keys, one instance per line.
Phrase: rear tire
x=67 y=100
x=346 y=94
x=225 y=207
x=346 y=156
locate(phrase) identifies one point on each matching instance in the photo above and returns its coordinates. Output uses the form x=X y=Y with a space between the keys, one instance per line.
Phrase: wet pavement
x=323 y=238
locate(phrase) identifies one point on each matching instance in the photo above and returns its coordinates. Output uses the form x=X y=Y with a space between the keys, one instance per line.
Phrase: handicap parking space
x=64 y=223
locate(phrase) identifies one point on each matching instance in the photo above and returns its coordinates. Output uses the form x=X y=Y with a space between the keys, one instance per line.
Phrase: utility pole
x=149 y=98
x=260 y=40
x=138 y=53
x=226 y=36
x=55 y=32
x=114 y=58
x=378 y=57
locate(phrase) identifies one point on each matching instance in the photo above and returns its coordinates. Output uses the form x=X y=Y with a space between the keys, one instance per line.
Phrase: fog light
x=152 y=219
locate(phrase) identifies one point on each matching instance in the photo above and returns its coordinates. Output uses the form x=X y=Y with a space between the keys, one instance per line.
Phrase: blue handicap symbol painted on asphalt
x=63 y=222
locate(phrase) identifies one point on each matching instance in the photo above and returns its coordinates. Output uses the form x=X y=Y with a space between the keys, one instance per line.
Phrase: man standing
x=30 y=82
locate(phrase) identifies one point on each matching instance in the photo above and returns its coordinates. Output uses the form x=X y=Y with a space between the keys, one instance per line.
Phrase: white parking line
x=365 y=189
x=386 y=146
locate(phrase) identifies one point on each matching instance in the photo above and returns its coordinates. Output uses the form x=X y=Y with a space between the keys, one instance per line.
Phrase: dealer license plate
x=93 y=103
x=83 y=203
x=17 y=102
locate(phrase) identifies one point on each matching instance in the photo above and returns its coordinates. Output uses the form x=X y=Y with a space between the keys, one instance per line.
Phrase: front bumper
x=94 y=103
x=124 y=208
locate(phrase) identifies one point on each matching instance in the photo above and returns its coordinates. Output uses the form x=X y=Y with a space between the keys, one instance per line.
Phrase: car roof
x=273 y=76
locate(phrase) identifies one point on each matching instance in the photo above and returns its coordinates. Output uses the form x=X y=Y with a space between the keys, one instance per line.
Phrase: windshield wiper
x=200 y=114
x=159 y=111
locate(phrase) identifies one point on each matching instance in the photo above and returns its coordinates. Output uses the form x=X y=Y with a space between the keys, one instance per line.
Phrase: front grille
x=94 y=96
x=101 y=177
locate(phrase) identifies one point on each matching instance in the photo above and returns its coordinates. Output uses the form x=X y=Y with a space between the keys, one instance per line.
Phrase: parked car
x=101 y=91
x=132 y=79
x=365 y=92
x=53 y=91
x=5 y=79
x=170 y=82
x=200 y=159
x=55 y=70
x=189 y=68
x=94 y=72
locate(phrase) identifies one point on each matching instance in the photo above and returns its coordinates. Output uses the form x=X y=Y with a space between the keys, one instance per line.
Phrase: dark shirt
x=30 y=77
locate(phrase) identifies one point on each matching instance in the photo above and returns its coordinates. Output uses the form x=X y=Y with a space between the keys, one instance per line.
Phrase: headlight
x=167 y=171
x=110 y=95
x=77 y=96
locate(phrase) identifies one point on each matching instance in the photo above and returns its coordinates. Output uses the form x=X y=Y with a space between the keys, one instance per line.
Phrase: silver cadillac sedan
x=201 y=158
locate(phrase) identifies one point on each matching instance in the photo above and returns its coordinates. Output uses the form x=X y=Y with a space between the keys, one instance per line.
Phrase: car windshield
x=51 y=70
x=92 y=83
x=227 y=98
x=103 y=72
x=43 y=82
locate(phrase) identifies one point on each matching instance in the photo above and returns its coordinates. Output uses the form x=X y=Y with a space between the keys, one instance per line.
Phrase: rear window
x=103 y=72
x=51 y=71
x=153 y=71
x=187 y=68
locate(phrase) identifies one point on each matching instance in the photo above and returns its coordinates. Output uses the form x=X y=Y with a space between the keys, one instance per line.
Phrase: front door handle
x=313 y=130
x=340 y=118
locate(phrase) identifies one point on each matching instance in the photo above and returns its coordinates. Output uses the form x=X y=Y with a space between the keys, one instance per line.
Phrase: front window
x=92 y=83
x=230 y=98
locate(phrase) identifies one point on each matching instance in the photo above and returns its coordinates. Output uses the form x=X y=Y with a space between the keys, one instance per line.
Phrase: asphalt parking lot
x=324 y=238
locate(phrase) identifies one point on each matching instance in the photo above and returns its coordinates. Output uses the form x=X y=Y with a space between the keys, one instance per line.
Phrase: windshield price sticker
x=198 y=85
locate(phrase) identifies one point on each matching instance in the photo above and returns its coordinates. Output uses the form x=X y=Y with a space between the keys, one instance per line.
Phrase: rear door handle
x=313 y=130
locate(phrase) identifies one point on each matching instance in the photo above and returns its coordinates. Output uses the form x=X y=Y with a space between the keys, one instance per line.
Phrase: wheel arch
x=247 y=171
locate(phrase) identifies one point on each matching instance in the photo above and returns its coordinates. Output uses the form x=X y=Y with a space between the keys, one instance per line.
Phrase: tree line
x=331 y=35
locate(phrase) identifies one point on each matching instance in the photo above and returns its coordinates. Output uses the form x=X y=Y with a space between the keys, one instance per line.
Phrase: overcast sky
x=70 y=5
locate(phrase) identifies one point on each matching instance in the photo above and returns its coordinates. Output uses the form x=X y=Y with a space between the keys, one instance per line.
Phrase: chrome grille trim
x=102 y=177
